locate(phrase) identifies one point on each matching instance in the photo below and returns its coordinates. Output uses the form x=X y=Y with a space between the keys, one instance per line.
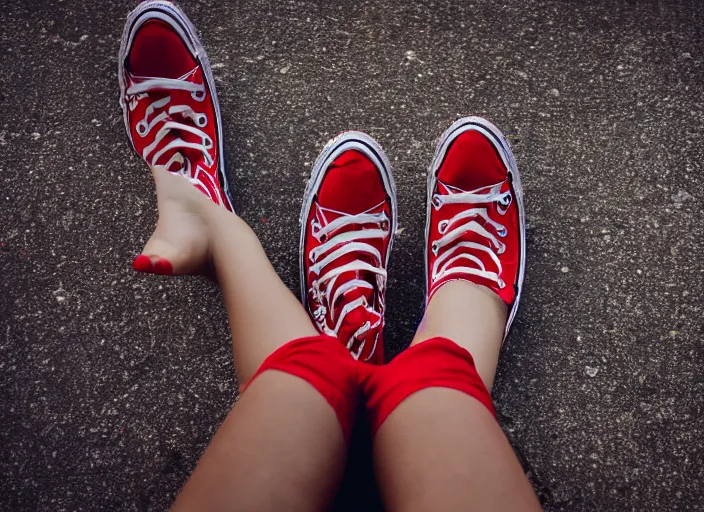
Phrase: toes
x=162 y=266
x=142 y=263
x=153 y=265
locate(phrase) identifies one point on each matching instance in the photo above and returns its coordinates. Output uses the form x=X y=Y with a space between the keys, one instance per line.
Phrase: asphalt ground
x=112 y=383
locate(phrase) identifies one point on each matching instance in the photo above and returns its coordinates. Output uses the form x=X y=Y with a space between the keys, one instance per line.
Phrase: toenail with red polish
x=142 y=263
x=162 y=266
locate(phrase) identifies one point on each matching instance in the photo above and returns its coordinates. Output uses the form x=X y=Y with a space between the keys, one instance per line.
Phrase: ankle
x=471 y=316
x=457 y=293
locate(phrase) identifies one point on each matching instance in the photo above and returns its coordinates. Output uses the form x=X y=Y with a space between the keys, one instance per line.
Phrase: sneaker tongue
x=358 y=322
x=193 y=76
x=449 y=211
x=177 y=98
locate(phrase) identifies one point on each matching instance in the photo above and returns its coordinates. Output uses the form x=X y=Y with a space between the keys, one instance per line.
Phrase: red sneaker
x=476 y=223
x=348 y=223
x=168 y=98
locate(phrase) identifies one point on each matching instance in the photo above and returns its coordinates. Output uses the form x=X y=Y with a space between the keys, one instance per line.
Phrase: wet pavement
x=112 y=383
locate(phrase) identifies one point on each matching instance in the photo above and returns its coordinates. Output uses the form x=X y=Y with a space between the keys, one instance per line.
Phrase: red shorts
x=328 y=366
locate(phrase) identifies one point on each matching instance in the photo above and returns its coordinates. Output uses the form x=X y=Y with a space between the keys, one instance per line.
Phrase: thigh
x=443 y=450
x=280 y=448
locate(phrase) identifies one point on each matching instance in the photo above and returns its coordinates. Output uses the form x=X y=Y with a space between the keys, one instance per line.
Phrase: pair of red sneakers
x=475 y=227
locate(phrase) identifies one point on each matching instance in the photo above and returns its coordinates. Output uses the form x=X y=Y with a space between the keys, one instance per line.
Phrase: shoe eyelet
x=384 y=225
x=142 y=128
x=434 y=248
x=502 y=232
x=324 y=238
x=201 y=120
x=504 y=203
x=437 y=201
x=442 y=226
x=501 y=284
x=501 y=249
x=207 y=142
x=315 y=226
x=198 y=95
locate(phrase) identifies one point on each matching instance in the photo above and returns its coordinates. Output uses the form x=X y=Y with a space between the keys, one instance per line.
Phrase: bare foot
x=180 y=243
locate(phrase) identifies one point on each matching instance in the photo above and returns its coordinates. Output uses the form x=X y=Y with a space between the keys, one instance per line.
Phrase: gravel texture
x=112 y=383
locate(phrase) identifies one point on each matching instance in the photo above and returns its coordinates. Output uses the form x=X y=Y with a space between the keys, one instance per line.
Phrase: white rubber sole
x=335 y=147
x=494 y=135
x=175 y=17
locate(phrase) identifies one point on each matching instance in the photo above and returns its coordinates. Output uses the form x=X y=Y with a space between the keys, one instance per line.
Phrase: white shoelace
x=323 y=288
x=145 y=126
x=465 y=222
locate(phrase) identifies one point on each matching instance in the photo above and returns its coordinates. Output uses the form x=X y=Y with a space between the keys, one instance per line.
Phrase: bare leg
x=442 y=449
x=282 y=447
x=193 y=233
x=473 y=317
